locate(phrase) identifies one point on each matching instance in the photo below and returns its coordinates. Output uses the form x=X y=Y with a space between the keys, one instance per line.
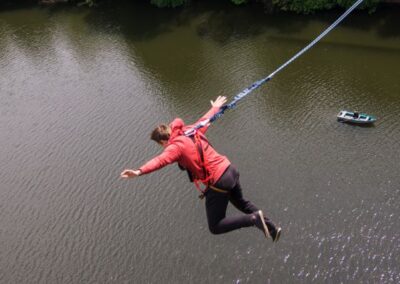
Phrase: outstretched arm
x=170 y=155
x=215 y=106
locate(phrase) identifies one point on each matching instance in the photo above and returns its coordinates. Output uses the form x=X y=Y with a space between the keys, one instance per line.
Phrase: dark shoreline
x=10 y=4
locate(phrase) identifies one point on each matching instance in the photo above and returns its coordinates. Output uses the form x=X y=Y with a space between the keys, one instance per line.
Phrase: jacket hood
x=176 y=128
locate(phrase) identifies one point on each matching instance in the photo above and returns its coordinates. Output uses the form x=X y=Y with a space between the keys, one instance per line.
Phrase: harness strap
x=197 y=141
x=196 y=137
x=218 y=189
x=201 y=196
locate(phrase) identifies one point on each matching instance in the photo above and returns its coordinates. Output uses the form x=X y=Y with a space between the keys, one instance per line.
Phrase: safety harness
x=196 y=138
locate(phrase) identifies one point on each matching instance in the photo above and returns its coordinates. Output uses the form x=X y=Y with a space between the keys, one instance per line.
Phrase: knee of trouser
x=214 y=230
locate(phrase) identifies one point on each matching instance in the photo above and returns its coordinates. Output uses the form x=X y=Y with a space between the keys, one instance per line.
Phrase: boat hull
x=355 y=118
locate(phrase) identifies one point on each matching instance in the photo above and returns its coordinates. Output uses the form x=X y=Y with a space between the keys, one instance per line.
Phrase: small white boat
x=355 y=117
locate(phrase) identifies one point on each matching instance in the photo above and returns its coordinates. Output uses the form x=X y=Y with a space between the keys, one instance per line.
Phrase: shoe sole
x=266 y=232
x=278 y=234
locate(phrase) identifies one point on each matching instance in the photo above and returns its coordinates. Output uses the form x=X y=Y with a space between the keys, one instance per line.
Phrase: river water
x=82 y=88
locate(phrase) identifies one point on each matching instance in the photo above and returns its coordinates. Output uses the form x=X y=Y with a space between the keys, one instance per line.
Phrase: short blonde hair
x=161 y=132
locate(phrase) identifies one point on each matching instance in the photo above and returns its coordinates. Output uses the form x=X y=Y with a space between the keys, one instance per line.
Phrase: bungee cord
x=258 y=83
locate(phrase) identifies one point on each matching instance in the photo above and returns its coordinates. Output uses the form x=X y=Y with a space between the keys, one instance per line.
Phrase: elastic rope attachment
x=258 y=83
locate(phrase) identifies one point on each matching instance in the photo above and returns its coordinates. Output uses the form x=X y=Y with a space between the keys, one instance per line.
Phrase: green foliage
x=168 y=3
x=297 y=6
x=369 y=4
x=309 y=6
x=238 y=2
x=303 y=6
x=89 y=3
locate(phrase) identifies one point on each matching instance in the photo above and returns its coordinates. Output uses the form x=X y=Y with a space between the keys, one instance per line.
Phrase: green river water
x=81 y=89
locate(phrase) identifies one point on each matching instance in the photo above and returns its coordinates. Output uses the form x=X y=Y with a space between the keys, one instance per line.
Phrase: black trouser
x=217 y=202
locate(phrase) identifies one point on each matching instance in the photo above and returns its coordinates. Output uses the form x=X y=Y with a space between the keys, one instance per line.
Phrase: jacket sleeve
x=208 y=115
x=170 y=155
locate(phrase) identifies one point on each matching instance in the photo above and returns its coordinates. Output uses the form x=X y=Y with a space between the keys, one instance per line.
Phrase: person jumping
x=204 y=165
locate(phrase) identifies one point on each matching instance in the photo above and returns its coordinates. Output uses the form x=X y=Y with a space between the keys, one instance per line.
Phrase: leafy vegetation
x=298 y=6
x=309 y=6
x=168 y=3
x=238 y=2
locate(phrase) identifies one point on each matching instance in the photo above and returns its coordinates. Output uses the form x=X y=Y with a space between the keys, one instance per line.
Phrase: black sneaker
x=275 y=237
x=260 y=223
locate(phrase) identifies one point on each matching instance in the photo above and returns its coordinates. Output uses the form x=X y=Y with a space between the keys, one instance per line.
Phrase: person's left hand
x=219 y=102
x=128 y=173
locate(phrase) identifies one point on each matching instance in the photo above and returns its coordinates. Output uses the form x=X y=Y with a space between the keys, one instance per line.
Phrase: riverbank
x=268 y=5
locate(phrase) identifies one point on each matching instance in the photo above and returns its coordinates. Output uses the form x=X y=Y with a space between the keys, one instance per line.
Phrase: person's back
x=197 y=154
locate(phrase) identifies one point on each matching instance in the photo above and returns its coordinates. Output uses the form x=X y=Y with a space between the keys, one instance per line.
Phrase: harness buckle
x=190 y=132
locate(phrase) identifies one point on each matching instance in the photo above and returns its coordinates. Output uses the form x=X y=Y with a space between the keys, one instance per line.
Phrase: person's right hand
x=219 y=102
x=128 y=173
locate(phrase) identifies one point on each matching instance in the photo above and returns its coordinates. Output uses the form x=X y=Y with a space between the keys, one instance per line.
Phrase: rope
x=258 y=83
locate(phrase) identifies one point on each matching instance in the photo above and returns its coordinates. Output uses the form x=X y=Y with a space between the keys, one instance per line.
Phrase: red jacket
x=183 y=150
